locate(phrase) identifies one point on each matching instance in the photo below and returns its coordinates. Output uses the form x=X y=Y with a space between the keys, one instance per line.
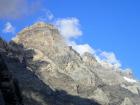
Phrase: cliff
x=50 y=72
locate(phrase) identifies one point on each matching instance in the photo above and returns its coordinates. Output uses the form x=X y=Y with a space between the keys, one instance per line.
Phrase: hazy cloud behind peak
x=13 y=9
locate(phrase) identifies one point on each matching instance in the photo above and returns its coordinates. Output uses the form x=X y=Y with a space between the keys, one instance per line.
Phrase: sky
x=109 y=29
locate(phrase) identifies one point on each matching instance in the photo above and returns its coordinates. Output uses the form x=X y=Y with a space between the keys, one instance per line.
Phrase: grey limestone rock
x=52 y=73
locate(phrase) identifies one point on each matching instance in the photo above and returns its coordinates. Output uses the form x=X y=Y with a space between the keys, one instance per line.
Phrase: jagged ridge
x=43 y=52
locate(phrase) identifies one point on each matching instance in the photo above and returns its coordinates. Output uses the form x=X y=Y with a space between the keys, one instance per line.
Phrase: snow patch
x=130 y=80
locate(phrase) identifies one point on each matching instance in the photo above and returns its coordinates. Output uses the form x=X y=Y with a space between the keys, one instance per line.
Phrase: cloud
x=9 y=28
x=69 y=27
x=17 y=8
x=108 y=59
x=81 y=48
x=48 y=15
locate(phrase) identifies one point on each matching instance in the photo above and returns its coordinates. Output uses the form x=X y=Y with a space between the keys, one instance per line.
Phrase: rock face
x=51 y=73
x=10 y=93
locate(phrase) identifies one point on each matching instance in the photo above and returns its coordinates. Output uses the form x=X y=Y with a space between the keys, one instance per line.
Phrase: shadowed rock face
x=51 y=73
x=9 y=87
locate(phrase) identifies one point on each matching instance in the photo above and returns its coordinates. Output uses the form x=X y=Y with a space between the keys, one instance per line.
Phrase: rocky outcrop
x=100 y=96
x=127 y=101
x=51 y=73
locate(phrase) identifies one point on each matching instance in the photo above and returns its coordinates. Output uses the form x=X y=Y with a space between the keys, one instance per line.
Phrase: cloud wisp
x=81 y=48
x=13 y=9
x=47 y=15
x=69 y=27
x=107 y=59
x=9 y=28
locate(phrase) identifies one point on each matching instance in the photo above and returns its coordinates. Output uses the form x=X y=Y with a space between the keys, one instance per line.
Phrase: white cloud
x=18 y=8
x=48 y=15
x=69 y=27
x=81 y=48
x=108 y=59
x=9 y=28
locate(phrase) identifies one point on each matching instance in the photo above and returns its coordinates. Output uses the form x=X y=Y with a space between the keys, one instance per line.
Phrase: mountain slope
x=52 y=73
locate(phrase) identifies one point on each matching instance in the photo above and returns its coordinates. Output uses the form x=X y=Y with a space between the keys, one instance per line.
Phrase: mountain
x=49 y=72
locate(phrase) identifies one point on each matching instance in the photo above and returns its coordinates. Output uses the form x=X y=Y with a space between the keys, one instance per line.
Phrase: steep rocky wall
x=9 y=87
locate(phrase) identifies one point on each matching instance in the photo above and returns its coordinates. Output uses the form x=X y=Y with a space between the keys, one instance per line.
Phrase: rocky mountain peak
x=42 y=36
x=40 y=32
x=49 y=45
x=57 y=75
x=38 y=26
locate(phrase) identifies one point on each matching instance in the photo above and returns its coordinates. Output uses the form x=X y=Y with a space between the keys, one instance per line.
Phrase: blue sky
x=108 y=25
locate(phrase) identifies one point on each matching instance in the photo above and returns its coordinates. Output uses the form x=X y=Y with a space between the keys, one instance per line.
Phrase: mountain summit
x=52 y=73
